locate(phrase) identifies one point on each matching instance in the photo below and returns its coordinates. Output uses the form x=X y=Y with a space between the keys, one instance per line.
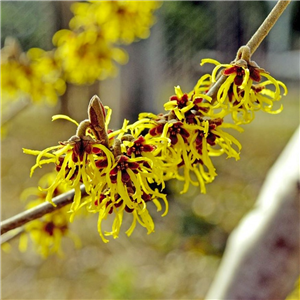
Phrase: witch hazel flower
x=186 y=105
x=117 y=169
x=127 y=189
x=74 y=159
x=123 y=171
x=195 y=136
x=244 y=90
x=206 y=140
x=127 y=185
x=187 y=155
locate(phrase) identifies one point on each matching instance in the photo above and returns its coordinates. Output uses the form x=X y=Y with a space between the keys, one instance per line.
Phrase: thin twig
x=256 y=39
x=267 y=25
x=214 y=89
x=39 y=211
x=8 y=236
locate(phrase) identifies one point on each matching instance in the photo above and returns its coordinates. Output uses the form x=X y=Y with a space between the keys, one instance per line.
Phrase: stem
x=267 y=25
x=7 y=237
x=214 y=89
x=82 y=127
x=39 y=211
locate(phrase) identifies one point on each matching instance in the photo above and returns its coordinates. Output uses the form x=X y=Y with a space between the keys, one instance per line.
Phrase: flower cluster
x=85 y=53
x=247 y=89
x=118 y=170
x=124 y=170
x=87 y=56
x=194 y=135
x=34 y=75
x=88 y=51
x=120 y=21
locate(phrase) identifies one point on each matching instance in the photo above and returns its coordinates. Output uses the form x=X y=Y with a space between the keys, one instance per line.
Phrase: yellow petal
x=56 y=117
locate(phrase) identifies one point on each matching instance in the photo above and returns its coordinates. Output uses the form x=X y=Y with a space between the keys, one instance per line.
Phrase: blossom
x=75 y=162
x=193 y=140
x=118 y=171
x=34 y=75
x=132 y=181
x=260 y=97
x=49 y=75
x=188 y=106
x=139 y=147
x=46 y=233
x=244 y=90
x=206 y=139
x=118 y=21
x=124 y=171
x=127 y=188
x=75 y=158
x=86 y=56
x=12 y=61
x=265 y=97
x=243 y=72
x=88 y=51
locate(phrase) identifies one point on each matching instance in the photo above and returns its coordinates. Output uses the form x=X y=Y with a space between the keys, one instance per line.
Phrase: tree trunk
x=261 y=260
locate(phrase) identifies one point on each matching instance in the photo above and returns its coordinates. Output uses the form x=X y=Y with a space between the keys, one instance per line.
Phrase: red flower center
x=139 y=147
x=176 y=130
x=123 y=164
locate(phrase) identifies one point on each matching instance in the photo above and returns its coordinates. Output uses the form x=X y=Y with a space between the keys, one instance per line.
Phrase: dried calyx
x=243 y=60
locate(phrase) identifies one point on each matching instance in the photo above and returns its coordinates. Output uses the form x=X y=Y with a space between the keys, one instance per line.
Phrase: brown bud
x=96 y=113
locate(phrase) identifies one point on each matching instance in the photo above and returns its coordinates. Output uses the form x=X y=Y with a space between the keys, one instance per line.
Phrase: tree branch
x=267 y=25
x=256 y=39
x=39 y=211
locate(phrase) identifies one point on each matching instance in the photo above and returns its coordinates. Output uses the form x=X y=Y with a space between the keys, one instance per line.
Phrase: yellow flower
x=86 y=56
x=177 y=152
x=127 y=184
x=205 y=139
x=48 y=73
x=83 y=55
x=239 y=95
x=195 y=135
x=119 y=171
x=126 y=188
x=46 y=233
x=75 y=164
x=34 y=75
x=118 y=21
x=188 y=106
x=10 y=87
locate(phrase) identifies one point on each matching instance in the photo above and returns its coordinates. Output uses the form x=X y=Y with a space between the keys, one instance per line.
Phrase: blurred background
x=180 y=259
